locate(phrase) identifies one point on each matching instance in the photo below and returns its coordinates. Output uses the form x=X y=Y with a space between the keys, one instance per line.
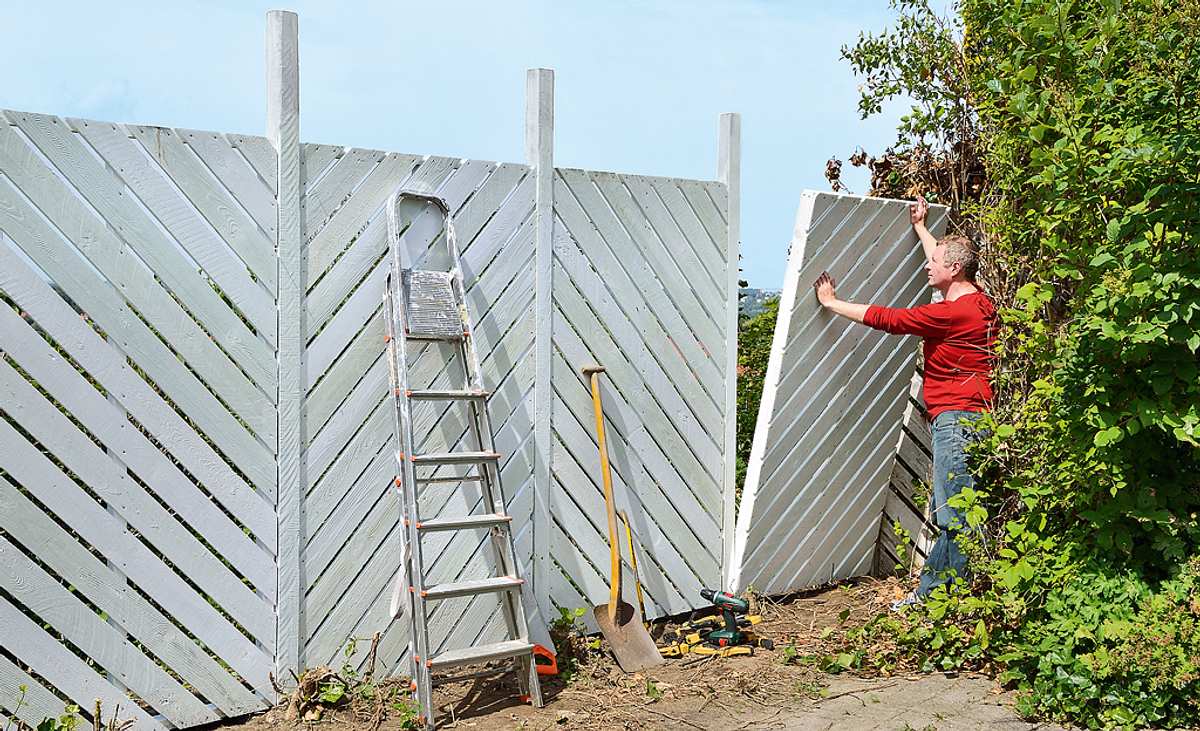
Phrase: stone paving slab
x=928 y=703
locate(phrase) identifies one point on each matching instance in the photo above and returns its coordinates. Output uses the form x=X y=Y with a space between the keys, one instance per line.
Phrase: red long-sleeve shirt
x=959 y=342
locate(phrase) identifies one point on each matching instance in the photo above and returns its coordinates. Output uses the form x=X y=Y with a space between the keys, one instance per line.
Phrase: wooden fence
x=195 y=447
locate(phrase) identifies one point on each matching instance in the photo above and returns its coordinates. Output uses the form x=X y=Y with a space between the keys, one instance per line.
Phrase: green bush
x=1085 y=587
x=754 y=350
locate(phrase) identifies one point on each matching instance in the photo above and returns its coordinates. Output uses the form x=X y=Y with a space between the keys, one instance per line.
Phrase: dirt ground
x=710 y=692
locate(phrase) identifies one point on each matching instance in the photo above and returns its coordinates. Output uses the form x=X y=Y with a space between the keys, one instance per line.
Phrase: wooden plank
x=711 y=217
x=316 y=160
x=825 y=345
x=864 y=475
x=33 y=646
x=362 y=257
x=89 y=178
x=340 y=377
x=194 y=232
x=782 y=510
x=365 y=399
x=505 y=187
x=579 y=509
x=674 y=238
x=365 y=452
x=44 y=422
x=74 y=563
x=341 y=329
x=694 y=235
x=283 y=129
x=78 y=624
x=360 y=554
x=241 y=180
x=44 y=247
x=729 y=171
x=260 y=153
x=454 y=190
x=217 y=205
x=34 y=296
x=368 y=489
x=837 y=422
x=539 y=155
x=31 y=704
x=681 y=525
x=109 y=424
x=879 y=360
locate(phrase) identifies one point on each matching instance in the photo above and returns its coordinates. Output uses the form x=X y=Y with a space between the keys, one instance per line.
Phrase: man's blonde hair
x=960 y=250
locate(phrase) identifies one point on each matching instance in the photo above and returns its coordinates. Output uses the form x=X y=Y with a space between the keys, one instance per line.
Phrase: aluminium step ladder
x=430 y=306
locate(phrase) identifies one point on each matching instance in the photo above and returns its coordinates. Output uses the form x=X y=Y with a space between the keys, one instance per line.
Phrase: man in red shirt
x=959 y=333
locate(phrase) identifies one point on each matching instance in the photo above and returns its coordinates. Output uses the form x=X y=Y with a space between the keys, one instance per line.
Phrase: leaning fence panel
x=833 y=400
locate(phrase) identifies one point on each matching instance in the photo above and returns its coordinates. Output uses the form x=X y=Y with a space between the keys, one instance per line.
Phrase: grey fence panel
x=137 y=422
x=833 y=401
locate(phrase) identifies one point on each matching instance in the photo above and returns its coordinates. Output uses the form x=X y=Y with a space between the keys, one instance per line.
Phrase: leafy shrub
x=754 y=350
x=1085 y=582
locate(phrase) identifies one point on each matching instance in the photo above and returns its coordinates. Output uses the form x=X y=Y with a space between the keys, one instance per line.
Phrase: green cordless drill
x=730 y=606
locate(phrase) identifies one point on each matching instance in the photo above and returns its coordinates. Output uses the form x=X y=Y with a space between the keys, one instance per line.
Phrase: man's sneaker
x=912 y=600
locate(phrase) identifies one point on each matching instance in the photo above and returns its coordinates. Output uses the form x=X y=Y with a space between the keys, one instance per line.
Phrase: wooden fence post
x=729 y=172
x=283 y=129
x=539 y=154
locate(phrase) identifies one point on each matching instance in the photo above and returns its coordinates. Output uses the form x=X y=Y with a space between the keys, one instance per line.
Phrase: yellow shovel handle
x=614 y=587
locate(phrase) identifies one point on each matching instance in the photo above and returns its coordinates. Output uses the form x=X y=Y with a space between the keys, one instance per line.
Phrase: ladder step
x=431 y=337
x=472 y=587
x=480 y=653
x=455 y=457
x=448 y=480
x=448 y=395
x=486 y=520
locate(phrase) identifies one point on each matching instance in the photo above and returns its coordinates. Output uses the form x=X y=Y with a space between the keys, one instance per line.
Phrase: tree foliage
x=1086 y=592
x=754 y=350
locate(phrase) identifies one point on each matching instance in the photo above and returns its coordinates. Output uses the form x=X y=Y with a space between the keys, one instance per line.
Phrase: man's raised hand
x=918 y=210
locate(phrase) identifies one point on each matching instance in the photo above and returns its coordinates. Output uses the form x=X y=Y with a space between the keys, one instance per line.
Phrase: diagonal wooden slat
x=94 y=524
x=24 y=698
x=48 y=425
x=635 y=292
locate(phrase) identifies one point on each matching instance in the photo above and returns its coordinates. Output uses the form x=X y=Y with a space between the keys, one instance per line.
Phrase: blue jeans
x=951 y=474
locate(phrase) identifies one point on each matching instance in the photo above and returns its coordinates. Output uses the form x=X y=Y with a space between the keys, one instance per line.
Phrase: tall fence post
x=283 y=129
x=729 y=172
x=539 y=154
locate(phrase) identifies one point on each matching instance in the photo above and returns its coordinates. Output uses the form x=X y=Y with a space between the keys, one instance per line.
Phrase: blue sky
x=639 y=85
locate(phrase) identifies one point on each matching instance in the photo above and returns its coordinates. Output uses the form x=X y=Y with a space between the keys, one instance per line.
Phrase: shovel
x=619 y=621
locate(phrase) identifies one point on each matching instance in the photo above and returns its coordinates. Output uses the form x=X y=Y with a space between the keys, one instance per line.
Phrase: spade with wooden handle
x=619 y=621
